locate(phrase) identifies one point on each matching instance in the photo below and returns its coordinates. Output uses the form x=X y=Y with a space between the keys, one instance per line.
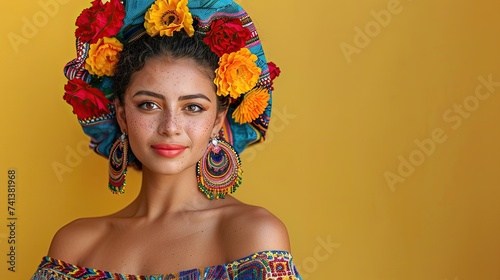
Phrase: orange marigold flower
x=252 y=106
x=103 y=55
x=166 y=16
x=237 y=73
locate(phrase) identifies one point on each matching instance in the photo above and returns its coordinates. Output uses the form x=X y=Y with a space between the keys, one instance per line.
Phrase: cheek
x=138 y=128
x=138 y=124
x=200 y=132
x=202 y=127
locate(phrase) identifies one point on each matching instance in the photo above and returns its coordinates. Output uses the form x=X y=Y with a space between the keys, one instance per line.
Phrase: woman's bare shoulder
x=249 y=229
x=73 y=240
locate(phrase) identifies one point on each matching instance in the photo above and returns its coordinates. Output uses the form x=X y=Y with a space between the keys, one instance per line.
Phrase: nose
x=170 y=123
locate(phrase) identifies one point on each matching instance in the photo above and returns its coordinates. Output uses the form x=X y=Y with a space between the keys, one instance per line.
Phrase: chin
x=170 y=169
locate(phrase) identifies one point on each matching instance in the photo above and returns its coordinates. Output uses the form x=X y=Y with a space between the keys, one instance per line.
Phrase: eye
x=148 y=106
x=194 y=108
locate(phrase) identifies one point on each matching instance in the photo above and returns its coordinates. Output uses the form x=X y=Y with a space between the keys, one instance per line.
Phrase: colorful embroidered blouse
x=266 y=265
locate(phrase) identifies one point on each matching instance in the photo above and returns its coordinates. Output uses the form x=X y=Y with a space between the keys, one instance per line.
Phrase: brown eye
x=194 y=108
x=148 y=106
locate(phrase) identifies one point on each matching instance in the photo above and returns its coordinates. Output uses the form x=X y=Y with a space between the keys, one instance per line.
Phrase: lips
x=168 y=150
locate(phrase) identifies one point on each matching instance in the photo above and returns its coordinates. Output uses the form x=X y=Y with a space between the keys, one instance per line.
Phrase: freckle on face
x=171 y=81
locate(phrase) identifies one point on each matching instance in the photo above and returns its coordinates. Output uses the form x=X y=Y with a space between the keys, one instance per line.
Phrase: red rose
x=227 y=36
x=274 y=72
x=100 y=20
x=87 y=101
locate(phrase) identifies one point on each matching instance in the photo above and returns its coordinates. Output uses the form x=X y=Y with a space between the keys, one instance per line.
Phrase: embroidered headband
x=105 y=27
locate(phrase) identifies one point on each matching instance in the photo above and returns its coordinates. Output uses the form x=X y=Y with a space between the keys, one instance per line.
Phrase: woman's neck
x=162 y=195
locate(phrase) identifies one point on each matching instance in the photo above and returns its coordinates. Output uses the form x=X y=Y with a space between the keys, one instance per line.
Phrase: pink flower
x=274 y=72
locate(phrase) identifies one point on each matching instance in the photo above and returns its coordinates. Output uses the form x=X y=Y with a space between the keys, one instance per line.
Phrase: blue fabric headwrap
x=104 y=130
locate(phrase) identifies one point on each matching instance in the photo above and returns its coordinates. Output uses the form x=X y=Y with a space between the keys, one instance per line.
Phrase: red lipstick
x=168 y=150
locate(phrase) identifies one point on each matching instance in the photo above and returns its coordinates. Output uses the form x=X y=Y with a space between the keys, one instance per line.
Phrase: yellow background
x=341 y=123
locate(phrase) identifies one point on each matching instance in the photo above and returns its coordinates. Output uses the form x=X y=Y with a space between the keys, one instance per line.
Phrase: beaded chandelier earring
x=219 y=170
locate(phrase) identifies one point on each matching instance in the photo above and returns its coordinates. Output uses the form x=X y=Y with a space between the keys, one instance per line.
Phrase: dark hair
x=136 y=53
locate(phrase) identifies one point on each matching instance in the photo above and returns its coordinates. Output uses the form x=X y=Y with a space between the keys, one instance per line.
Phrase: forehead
x=170 y=76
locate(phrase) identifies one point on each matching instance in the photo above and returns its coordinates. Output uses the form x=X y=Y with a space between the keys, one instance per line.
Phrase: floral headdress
x=243 y=73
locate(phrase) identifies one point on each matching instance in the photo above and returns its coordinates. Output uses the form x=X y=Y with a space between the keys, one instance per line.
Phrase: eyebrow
x=149 y=93
x=194 y=96
x=181 y=98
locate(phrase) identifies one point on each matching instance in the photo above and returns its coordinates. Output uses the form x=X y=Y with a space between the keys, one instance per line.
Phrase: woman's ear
x=219 y=121
x=120 y=115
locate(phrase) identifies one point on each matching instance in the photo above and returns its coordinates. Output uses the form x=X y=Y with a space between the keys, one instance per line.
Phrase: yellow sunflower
x=166 y=16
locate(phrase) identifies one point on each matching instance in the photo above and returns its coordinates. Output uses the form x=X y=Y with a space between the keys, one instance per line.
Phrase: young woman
x=186 y=81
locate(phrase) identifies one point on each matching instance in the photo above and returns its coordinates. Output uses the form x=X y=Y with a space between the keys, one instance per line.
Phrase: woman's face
x=169 y=113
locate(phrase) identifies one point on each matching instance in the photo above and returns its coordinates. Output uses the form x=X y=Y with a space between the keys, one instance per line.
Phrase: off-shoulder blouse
x=266 y=265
